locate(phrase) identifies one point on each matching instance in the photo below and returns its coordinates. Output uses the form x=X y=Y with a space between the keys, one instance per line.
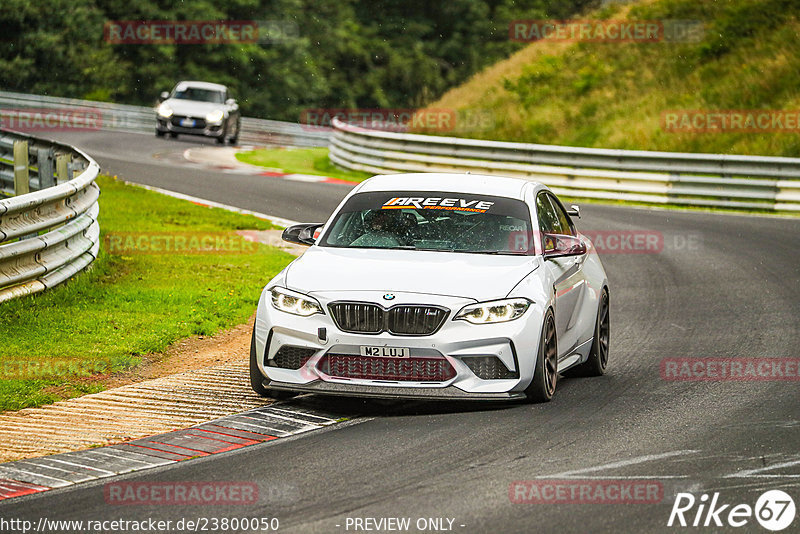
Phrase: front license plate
x=187 y=123
x=385 y=352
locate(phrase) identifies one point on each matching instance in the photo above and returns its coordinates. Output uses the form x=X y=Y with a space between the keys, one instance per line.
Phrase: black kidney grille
x=358 y=317
x=409 y=320
x=415 y=320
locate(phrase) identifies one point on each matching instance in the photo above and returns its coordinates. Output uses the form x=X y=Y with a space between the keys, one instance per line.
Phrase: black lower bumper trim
x=387 y=392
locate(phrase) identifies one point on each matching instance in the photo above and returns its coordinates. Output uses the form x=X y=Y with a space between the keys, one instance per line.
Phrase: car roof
x=201 y=85
x=478 y=184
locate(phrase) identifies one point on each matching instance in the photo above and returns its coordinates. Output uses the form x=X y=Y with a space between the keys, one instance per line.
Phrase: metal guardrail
x=141 y=119
x=713 y=180
x=49 y=231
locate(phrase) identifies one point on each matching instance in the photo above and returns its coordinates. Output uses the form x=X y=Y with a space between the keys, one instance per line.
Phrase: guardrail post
x=21 y=183
x=62 y=168
x=44 y=161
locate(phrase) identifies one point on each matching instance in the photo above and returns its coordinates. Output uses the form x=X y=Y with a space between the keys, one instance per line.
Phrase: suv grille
x=397 y=369
x=407 y=320
x=198 y=123
x=488 y=367
x=289 y=357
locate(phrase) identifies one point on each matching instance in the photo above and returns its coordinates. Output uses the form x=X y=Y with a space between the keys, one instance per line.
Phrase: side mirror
x=230 y=102
x=560 y=245
x=301 y=234
x=163 y=96
x=574 y=211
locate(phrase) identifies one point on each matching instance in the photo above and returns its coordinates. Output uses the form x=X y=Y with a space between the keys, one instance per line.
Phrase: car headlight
x=496 y=311
x=294 y=303
x=164 y=111
x=215 y=116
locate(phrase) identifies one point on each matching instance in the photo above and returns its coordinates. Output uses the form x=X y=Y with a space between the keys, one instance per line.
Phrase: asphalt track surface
x=723 y=286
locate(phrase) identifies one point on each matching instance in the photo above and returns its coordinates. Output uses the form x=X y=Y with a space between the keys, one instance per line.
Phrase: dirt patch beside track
x=195 y=380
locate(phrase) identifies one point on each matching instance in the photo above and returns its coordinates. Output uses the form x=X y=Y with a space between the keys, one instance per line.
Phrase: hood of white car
x=476 y=276
x=192 y=108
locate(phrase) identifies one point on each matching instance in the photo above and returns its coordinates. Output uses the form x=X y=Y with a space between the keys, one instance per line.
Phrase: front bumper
x=202 y=128
x=513 y=343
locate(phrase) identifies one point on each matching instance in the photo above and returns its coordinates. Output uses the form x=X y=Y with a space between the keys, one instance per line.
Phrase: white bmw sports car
x=435 y=286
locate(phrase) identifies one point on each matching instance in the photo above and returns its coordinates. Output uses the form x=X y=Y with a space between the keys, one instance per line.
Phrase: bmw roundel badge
x=388 y=296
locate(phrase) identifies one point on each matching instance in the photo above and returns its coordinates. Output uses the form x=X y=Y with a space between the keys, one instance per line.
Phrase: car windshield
x=199 y=95
x=440 y=221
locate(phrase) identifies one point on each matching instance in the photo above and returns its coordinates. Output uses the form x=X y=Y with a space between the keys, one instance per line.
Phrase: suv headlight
x=164 y=111
x=496 y=311
x=294 y=303
x=215 y=116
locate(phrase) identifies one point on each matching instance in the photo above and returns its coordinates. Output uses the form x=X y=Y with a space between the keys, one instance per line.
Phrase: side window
x=548 y=221
x=563 y=219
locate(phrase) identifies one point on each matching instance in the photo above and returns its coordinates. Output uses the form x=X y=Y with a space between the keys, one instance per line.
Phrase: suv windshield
x=444 y=221
x=199 y=95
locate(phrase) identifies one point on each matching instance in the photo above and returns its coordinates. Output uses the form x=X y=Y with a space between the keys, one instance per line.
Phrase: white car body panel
x=435 y=273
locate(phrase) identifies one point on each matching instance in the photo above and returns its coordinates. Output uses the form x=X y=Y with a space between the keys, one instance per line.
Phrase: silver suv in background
x=199 y=108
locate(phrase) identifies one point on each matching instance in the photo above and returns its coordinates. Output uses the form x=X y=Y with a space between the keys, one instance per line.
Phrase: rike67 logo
x=774 y=510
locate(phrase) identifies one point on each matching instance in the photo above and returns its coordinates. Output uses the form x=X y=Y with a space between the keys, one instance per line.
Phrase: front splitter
x=389 y=392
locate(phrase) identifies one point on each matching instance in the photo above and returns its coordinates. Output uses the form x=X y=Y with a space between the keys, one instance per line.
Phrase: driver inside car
x=383 y=229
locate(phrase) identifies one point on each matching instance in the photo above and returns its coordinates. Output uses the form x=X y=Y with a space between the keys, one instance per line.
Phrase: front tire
x=545 y=376
x=598 y=355
x=221 y=138
x=235 y=137
x=257 y=379
x=159 y=133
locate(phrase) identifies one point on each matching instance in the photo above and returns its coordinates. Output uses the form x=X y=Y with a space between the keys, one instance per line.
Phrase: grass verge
x=55 y=344
x=300 y=161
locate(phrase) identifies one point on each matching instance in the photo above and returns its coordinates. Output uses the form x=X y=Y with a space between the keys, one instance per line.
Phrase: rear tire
x=257 y=379
x=545 y=376
x=598 y=354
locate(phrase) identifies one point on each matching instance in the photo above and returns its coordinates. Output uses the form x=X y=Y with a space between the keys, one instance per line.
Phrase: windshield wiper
x=461 y=250
x=498 y=252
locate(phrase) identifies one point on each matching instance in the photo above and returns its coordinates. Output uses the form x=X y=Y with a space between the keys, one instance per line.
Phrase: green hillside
x=612 y=94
